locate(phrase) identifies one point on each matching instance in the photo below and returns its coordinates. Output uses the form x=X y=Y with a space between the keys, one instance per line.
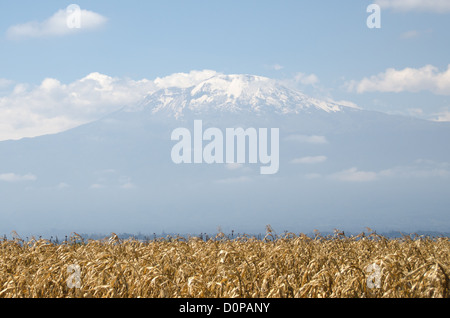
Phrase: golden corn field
x=367 y=265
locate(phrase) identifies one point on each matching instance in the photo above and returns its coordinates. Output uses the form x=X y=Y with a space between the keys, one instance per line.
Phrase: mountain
x=248 y=94
x=339 y=167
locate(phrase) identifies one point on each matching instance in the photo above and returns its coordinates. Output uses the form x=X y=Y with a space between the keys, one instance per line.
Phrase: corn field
x=290 y=266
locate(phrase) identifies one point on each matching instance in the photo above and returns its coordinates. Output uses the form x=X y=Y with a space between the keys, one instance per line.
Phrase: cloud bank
x=309 y=160
x=437 y=6
x=57 y=25
x=427 y=78
x=51 y=107
x=12 y=177
x=420 y=168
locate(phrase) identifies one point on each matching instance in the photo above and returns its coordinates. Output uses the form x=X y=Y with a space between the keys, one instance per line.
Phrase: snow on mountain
x=208 y=91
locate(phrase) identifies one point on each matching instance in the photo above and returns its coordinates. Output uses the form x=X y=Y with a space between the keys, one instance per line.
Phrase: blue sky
x=323 y=47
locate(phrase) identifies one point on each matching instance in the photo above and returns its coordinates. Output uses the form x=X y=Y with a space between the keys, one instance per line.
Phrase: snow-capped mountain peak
x=209 y=91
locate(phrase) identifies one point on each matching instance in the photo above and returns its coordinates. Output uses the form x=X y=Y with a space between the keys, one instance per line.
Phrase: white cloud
x=4 y=83
x=419 y=169
x=109 y=178
x=438 y=6
x=56 y=25
x=414 y=34
x=62 y=185
x=12 y=177
x=442 y=116
x=51 y=107
x=409 y=79
x=307 y=139
x=128 y=185
x=306 y=79
x=234 y=180
x=309 y=160
x=277 y=67
x=184 y=80
x=355 y=175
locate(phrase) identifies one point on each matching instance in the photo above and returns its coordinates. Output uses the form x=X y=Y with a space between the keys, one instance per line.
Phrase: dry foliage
x=287 y=266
